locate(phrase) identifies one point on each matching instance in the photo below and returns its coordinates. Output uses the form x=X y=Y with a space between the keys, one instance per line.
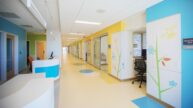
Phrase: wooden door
x=40 y=48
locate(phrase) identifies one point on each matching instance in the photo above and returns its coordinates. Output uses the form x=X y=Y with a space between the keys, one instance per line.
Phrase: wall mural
x=116 y=55
x=164 y=59
x=122 y=58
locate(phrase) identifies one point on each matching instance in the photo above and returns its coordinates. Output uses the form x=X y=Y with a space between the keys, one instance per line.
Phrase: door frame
x=13 y=52
x=36 y=48
x=95 y=39
x=4 y=54
x=106 y=35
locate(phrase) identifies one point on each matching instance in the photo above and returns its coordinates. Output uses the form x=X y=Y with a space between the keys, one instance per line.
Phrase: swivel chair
x=140 y=67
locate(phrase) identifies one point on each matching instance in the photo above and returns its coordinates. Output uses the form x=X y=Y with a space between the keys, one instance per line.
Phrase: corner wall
x=9 y=27
x=54 y=44
x=183 y=7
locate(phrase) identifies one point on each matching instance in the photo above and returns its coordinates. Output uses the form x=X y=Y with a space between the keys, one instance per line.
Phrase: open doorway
x=10 y=57
x=28 y=48
x=28 y=51
x=40 y=50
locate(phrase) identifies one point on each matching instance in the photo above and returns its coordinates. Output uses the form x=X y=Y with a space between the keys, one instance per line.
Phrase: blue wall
x=185 y=8
x=21 y=33
x=0 y=56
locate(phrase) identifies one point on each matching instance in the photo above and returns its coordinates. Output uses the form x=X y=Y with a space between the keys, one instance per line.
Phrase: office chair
x=140 y=67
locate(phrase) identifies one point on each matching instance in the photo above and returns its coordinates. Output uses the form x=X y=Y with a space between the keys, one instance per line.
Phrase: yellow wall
x=117 y=27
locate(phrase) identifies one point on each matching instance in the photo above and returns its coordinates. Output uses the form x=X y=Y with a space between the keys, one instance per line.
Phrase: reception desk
x=27 y=91
x=50 y=67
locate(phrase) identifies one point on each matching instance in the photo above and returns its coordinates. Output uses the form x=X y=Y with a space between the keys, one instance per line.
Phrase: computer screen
x=144 y=53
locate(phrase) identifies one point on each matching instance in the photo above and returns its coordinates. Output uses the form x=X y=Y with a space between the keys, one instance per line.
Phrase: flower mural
x=150 y=50
x=162 y=61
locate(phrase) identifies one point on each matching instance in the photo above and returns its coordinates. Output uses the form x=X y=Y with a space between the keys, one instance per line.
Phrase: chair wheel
x=132 y=82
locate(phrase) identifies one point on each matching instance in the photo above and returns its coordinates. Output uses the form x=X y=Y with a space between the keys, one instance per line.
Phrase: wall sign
x=188 y=43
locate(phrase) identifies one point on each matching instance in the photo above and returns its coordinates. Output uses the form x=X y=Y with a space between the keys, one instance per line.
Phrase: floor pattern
x=146 y=102
x=80 y=90
x=86 y=71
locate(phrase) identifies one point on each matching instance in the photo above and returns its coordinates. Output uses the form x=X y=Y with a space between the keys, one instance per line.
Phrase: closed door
x=40 y=48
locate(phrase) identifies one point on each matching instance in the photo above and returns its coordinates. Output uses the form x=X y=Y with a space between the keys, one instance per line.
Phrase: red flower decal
x=166 y=59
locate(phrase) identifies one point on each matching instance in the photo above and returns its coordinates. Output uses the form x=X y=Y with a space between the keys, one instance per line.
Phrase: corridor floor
x=96 y=90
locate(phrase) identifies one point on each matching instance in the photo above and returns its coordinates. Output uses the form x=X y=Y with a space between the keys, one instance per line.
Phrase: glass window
x=137 y=45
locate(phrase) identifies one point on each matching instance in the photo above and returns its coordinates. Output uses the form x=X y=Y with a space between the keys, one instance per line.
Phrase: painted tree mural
x=160 y=61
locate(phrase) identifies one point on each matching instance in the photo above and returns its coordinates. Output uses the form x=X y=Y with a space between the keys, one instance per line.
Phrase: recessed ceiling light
x=72 y=38
x=87 y=22
x=81 y=34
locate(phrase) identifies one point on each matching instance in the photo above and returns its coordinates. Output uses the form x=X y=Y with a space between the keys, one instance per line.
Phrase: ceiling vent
x=27 y=26
x=9 y=15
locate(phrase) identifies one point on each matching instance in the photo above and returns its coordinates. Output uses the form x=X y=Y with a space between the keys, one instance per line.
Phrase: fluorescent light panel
x=31 y=6
x=72 y=38
x=87 y=22
x=81 y=34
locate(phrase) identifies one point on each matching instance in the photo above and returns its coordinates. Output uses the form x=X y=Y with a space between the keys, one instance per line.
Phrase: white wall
x=164 y=59
x=136 y=22
x=53 y=43
x=144 y=42
x=122 y=62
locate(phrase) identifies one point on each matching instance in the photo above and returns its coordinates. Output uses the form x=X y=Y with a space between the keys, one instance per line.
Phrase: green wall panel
x=32 y=38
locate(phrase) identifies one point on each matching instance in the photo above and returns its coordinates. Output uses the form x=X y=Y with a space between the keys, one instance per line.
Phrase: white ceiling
x=15 y=6
x=115 y=10
x=47 y=8
x=60 y=15
x=50 y=11
x=66 y=40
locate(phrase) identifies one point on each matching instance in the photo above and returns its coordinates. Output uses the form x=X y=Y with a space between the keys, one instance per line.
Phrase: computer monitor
x=51 y=55
x=144 y=53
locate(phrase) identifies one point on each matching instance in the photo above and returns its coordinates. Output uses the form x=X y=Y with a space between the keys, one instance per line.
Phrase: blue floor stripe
x=146 y=102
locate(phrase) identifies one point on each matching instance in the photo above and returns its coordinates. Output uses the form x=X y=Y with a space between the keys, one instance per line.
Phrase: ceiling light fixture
x=33 y=9
x=87 y=22
x=72 y=38
x=81 y=34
